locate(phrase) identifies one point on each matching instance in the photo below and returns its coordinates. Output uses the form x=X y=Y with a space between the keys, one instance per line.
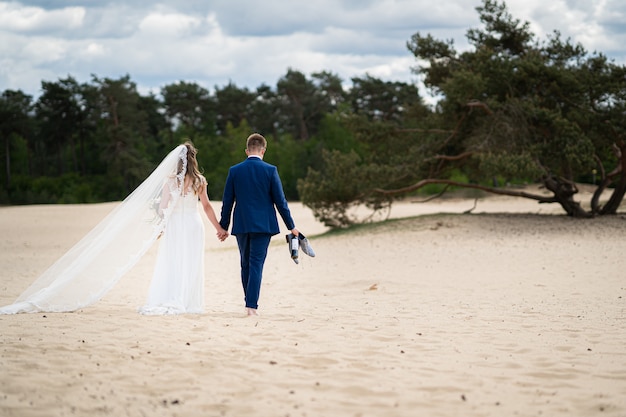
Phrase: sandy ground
x=513 y=310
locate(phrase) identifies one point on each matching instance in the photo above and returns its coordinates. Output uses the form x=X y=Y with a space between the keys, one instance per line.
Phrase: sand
x=512 y=310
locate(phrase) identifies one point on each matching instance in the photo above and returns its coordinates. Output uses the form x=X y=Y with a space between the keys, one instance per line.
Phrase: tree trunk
x=563 y=194
x=8 y=158
x=620 y=189
x=74 y=156
x=83 y=166
x=616 y=198
x=595 y=199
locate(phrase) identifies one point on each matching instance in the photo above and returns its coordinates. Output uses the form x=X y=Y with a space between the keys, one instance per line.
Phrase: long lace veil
x=94 y=265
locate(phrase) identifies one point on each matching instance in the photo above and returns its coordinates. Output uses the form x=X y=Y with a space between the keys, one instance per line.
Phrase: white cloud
x=14 y=17
x=213 y=43
x=168 y=25
x=43 y=50
x=94 y=49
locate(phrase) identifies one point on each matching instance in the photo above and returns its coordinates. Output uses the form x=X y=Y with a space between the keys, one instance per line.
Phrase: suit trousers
x=252 y=252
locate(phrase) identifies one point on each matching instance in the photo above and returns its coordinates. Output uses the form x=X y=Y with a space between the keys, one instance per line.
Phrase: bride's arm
x=166 y=194
x=210 y=213
x=165 y=197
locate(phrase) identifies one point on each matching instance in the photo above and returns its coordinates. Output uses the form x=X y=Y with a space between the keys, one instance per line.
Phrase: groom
x=254 y=188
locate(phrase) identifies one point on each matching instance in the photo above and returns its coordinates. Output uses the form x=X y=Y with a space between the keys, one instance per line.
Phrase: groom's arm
x=278 y=196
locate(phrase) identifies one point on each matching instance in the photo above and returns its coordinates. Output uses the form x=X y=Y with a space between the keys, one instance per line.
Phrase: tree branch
x=493 y=190
x=454 y=157
x=416 y=130
x=432 y=197
x=476 y=103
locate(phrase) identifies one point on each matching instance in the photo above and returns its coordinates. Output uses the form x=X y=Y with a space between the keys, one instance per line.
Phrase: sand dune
x=482 y=314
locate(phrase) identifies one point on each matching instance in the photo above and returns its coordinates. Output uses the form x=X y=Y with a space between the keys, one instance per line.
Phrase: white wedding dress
x=156 y=208
x=177 y=285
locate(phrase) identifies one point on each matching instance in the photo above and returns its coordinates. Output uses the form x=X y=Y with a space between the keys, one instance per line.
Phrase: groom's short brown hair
x=256 y=142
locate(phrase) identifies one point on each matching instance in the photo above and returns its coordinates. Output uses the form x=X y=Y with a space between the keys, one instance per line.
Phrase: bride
x=178 y=282
x=163 y=206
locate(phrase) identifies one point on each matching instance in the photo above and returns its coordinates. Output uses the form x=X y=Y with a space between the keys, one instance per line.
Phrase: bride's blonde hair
x=193 y=172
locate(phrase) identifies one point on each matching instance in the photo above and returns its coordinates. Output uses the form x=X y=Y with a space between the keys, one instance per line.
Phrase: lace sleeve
x=169 y=188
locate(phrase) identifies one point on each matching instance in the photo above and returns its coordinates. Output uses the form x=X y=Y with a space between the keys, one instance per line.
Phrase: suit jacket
x=254 y=188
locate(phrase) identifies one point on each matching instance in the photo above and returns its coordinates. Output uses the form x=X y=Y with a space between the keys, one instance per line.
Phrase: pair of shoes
x=298 y=242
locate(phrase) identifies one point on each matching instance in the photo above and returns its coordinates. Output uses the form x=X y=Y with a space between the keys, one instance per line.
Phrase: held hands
x=221 y=234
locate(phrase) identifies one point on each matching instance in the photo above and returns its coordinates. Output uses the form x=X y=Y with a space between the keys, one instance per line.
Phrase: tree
x=264 y=112
x=304 y=102
x=376 y=151
x=158 y=139
x=512 y=108
x=334 y=201
x=522 y=107
x=382 y=100
x=190 y=108
x=122 y=125
x=15 y=122
x=60 y=118
x=232 y=105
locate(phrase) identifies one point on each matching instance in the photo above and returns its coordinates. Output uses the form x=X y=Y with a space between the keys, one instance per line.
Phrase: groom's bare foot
x=252 y=311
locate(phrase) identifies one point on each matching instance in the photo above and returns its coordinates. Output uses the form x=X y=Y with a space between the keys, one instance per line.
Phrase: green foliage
x=290 y=157
x=332 y=200
x=190 y=106
x=508 y=167
x=216 y=154
x=69 y=189
x=511 y=109
x=234 y=103
x=106 y=129
x=502 y=33
x=304 y=102
x=332 y=135
x=521 y=108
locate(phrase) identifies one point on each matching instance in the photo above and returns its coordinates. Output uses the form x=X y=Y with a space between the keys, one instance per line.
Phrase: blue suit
x=253 y=188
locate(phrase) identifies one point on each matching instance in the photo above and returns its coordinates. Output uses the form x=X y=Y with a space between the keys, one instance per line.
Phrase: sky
x=250 y=43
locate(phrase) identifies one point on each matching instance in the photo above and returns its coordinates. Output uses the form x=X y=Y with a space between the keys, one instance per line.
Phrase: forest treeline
x=512 y=108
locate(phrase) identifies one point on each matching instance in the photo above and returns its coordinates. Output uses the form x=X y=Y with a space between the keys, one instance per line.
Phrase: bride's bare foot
x=252 y=311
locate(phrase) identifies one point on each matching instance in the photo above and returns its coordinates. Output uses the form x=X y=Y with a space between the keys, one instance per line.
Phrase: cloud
x=213 y=43
x=17 y=18
x=167 y=25
x=597 y=25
